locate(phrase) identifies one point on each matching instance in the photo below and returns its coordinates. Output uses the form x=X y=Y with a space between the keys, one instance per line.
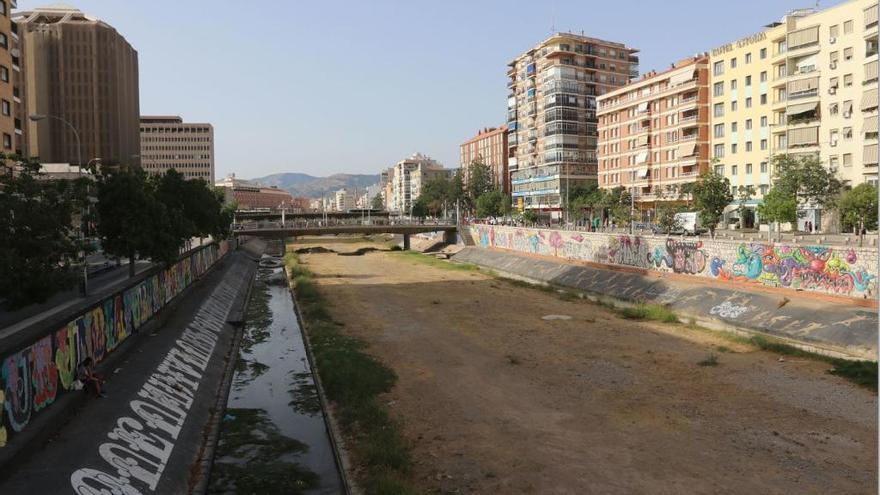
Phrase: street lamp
x=36 y=117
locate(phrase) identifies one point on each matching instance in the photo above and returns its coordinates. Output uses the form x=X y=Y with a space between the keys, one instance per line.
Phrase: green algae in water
x=304 y=395
x=250 y=458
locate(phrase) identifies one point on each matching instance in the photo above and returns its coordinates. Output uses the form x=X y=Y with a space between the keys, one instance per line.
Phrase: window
x=748 y=81
x=848 y=27
x=719 y=169
x=733 y=127
x=764 y=121
x=733 y=105
x=4 y=41
x=3 y=8
x=6 y=108
x=764 y=189
x=847 y=133
x=833 y=162
x=718 y=89
x=847 y=109
x=763 y=144
x=847 y=80
x=763 y=53
x=764 y=76
x=763 y=167
x=734 y=169
x=719 y=151
x=749 y=57
x=4 y=73
x=748 y=124
x=748 y=146
x=748 y=168
x=718 y=68
x=749 y=102
x=847 y=159
x=733 y=85
x=719 y=110
x=847 y=53
x=719 y=130
x=834 y=31
x=764 y=99
x=733 y=149
x=7 y=141
x=733 y=63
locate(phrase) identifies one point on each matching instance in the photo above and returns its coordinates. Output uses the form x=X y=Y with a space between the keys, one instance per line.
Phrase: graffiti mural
x=32 y=378
x=813 y=268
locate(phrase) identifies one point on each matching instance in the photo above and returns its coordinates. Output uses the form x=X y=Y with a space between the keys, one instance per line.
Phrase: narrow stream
x=272 y=438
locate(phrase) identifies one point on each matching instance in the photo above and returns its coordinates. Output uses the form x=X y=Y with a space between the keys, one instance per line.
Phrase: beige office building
x=488 y=147
x=654 y=133
x=807 y=84
x=168 y=142
x=10 y=120
x=552 y=115
x=78 y=68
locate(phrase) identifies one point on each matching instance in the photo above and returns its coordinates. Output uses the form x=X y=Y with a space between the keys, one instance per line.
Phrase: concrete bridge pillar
x=449 y=237
x=406 y=242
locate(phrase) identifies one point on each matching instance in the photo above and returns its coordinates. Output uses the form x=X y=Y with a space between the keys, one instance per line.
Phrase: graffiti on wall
x=32 y=378
x=814 y=268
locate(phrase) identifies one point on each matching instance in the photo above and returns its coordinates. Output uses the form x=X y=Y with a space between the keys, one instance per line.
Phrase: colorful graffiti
x=32 y=378
x=814 y=268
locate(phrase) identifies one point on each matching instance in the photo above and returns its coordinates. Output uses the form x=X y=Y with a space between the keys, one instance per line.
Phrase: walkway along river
x=273 y=437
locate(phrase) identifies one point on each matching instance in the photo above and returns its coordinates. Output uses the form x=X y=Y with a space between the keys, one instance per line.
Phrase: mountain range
x=314 y=187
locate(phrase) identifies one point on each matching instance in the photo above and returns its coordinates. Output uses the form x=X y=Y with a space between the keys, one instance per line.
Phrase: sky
x=323 y=87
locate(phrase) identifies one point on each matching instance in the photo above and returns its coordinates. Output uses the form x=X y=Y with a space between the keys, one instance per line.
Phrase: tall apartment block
x=552 y=115
x=805 y=85
x=10 y=123
x=168 y=142
x=77 y=68
x=408 y=178
x=489 y=147
x=654 y=133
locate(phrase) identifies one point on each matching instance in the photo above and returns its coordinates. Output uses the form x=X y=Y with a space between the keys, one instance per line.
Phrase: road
x=508 y=389
x=158 y=403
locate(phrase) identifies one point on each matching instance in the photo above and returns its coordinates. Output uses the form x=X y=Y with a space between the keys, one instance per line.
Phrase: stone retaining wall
x=848 y=271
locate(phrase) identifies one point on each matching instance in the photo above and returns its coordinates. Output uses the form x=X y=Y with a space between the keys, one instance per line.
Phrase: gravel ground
x=495 y=399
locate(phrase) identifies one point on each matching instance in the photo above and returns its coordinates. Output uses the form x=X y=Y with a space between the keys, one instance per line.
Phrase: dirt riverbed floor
x=495 y=399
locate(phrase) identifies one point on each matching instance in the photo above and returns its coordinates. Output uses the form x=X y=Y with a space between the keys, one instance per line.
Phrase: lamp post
x=36 y=117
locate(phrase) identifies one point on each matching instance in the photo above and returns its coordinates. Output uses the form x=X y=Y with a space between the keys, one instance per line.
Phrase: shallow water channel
x=273 y=438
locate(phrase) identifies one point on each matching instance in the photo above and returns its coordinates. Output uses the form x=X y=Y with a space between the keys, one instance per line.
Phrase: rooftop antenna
x=553 y=18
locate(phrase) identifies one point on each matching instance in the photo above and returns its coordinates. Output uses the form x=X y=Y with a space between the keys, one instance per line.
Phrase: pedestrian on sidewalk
x=86 y=374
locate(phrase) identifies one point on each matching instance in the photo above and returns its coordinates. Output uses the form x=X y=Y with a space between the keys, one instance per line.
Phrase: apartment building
x=817 y=89
x=76 y=68
x=10 y=119
x=552 y=115
x=343 y=201
x=488 y=147
x=409 y=177
x=654 y=133
x=168 y=142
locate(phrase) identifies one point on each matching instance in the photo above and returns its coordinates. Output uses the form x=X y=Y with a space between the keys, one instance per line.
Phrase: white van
x=688 y=223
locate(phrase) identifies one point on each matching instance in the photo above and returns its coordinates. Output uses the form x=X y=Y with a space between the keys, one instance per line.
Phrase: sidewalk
x=822 y=323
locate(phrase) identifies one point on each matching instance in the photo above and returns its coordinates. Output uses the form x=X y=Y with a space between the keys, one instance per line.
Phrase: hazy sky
x=353 y=86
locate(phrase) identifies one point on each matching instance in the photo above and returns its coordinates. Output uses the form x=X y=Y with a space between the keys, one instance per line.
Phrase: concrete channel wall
x=38 y=364
x=846 y=271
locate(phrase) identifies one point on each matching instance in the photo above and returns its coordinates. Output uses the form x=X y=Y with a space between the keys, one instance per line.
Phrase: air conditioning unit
x=832 y=40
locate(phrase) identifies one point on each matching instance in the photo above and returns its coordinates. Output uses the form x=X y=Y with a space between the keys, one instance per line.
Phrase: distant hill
x=313 y=187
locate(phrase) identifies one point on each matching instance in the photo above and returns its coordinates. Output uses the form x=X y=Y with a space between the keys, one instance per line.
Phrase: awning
x=643 y=172
x=869 y=99
x=871 y=70
x=803 y=37
x=687 y=149
x=870 y=124
x=870 y=155
x=643 y=106
x=871 y=15
x=847 y=107
x=681 y=77
x=804 y=136
x=802 y=85
x=801 y=108
x=642 y=140
x=642 y=157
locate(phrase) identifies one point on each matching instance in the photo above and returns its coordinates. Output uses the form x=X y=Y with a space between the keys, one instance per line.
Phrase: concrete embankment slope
x=822 y=324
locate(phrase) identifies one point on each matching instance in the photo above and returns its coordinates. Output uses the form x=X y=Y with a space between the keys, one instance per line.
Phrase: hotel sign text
x=739 y=44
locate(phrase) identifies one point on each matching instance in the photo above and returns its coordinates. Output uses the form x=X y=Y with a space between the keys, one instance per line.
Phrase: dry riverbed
x=494 y=397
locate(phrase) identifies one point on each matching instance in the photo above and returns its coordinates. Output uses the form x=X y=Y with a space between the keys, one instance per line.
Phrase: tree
x=437 y=193
x=744 y=194
x=583 y=199
x=858 y=208
x=686 y=191
x=778 y=206
x=378 y=203
x=493 y=204
x=618 y=202
x=530 y=216
x=711 y=195
x=420 y=208
x=805 y=179
x=667 y=219
x=38 y=246
x=479 y=182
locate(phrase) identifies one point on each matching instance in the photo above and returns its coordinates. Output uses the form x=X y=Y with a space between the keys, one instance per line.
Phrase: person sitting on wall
x=86 y=374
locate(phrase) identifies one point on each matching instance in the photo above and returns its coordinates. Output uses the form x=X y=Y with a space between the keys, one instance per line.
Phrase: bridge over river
x=449 y=231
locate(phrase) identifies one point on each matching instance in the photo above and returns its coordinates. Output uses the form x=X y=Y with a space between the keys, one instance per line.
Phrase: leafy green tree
x=805 y=179
x=530 y=216
x=493 y=204
x=712 y=194
x=38 y=235
x=420 y=207
x=686 y=191
x=377 y=203
x=667 y=220
x=618 y=202
x=858 y=208
x=479 y=182
x=778 y=206
x=583 y=200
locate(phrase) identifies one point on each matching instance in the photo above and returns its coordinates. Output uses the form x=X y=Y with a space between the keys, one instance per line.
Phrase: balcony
x=690 y=137
x=812 y=93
